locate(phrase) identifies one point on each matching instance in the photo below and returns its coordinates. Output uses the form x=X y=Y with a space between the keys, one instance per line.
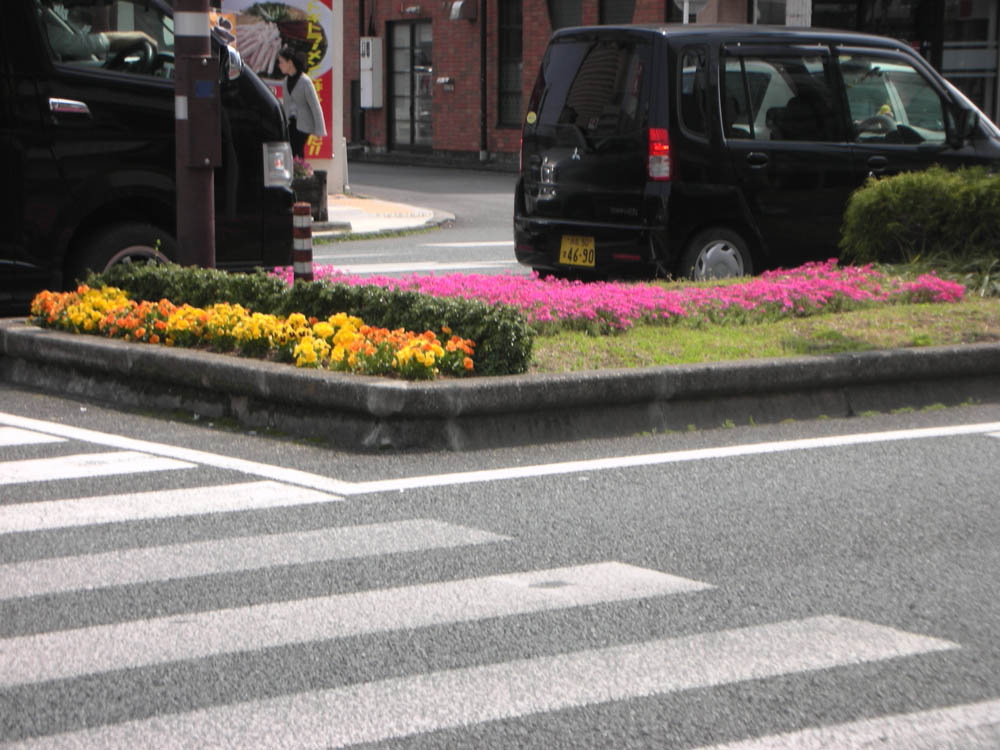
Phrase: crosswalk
x=392 y=706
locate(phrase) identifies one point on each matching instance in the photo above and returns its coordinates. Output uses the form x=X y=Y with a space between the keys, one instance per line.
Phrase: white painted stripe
x=278 y=473
x=83 y=465
x=301 y=221
x=378 y=268
x=176 y=561
x=327 y=484
x=191 y=23
x=401 y=707
x=301 y=268
x=180 y=107
x=141 y=506
x=16 y=436
x=72 y=653
x=653 y=459
x=502 y=243
x=973 y=726
x=302 y=243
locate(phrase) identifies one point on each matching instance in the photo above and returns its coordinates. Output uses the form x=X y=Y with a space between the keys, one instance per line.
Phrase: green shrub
x=198 y=287
x=504 y=340
x=933 y=213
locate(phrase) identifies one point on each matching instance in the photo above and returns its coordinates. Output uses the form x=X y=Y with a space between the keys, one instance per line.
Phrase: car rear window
x=594 y=87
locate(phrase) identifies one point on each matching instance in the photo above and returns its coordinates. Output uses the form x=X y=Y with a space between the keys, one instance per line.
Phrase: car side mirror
x=962 y=124
x=230 y=64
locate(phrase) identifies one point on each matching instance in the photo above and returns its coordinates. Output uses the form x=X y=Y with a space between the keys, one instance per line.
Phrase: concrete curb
x=365 y=413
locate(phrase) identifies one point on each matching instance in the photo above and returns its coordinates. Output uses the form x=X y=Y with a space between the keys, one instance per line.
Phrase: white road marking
x=418 y=267
x=177 y=561
x=103 y=648
x=974 y=726
x=653 y=459
x=82 y=465
x=10 y=436
x=405 y=706
x=268 y=471
x=501 y=243
x=143 y=506
x=328 y=484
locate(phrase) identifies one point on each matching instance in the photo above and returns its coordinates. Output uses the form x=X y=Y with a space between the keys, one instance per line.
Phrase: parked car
x=713 y=151
x=87 y=122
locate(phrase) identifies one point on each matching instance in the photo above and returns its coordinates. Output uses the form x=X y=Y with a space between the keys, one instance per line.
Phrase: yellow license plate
x=577 y=251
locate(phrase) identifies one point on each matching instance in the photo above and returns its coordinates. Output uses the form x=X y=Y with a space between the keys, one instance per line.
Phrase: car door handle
x=877 y=162
x=756 y=158
x=68 y=107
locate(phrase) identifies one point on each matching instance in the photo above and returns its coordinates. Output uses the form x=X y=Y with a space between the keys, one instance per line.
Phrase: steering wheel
x=162 y=65
x=142 y=48
x=878 y=124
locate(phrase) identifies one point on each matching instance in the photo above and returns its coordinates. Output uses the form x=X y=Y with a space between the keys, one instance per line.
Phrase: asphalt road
x=480 y=240
x=178 y=583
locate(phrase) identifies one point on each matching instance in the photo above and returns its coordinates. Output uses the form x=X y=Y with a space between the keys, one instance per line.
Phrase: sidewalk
x=357 y=214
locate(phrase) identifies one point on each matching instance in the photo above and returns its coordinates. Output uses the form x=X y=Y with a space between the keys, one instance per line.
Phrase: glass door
x=412 y=85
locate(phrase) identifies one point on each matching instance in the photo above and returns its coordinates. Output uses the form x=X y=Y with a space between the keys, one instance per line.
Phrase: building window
x=616 y=11
x=511 y=63
x=781 y=12
x=563 y=13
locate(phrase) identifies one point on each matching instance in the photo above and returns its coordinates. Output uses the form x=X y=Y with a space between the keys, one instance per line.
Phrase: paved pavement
x=360 y=214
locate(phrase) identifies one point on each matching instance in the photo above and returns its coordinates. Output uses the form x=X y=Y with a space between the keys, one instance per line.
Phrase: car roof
x=744 y=33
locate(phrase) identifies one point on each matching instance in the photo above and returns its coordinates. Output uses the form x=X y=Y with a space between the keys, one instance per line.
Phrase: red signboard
x=305 y=25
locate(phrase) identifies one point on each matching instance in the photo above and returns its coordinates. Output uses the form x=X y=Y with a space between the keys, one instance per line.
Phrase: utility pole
x=198 y=133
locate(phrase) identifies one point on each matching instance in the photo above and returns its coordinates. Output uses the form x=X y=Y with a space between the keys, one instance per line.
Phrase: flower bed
x=609 y=306
x=340 y=342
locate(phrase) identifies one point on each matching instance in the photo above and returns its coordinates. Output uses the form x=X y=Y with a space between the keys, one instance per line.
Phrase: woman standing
x=300 y=102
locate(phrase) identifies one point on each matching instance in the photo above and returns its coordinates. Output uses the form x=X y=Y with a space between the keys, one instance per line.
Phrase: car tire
x=123 y=243
x=716 y=253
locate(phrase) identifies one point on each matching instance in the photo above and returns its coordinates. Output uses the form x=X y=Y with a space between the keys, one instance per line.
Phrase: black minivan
x=711 y=151
x=87 y=121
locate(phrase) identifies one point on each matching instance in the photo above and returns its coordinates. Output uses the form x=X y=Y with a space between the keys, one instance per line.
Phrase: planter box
x=312 y=190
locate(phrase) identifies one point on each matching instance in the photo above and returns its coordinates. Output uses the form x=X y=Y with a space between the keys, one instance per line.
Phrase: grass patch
x=974 y=320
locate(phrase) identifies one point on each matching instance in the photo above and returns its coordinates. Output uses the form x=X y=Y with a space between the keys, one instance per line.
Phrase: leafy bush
x=502 y=336
x=198 y=287
x=935 y=213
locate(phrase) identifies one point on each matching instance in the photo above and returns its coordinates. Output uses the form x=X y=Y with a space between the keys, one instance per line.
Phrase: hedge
x=929 y=214
x=503 y=337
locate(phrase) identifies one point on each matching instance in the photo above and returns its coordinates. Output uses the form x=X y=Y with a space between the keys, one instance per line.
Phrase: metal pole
x=484 y=153
x=197 y=130
x=686 y=11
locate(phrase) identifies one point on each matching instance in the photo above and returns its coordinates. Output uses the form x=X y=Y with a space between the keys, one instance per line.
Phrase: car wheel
x=123 y=243
x=716 y=253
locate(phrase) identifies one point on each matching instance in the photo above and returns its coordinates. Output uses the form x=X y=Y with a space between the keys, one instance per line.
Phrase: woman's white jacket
x=303 y=104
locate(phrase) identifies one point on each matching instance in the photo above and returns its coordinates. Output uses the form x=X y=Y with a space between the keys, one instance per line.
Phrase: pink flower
x=810 y=289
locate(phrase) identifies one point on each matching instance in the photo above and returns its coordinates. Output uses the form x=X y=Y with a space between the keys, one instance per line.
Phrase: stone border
x=365 y=413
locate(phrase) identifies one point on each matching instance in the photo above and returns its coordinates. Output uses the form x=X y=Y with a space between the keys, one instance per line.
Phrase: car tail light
x=659 y=154
x=277 y=164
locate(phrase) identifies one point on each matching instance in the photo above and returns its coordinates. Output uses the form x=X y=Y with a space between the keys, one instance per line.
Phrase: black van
x=710 y=151
x=87 y=145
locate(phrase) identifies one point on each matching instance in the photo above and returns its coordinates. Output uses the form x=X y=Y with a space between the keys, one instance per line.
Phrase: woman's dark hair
x=295 y=57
